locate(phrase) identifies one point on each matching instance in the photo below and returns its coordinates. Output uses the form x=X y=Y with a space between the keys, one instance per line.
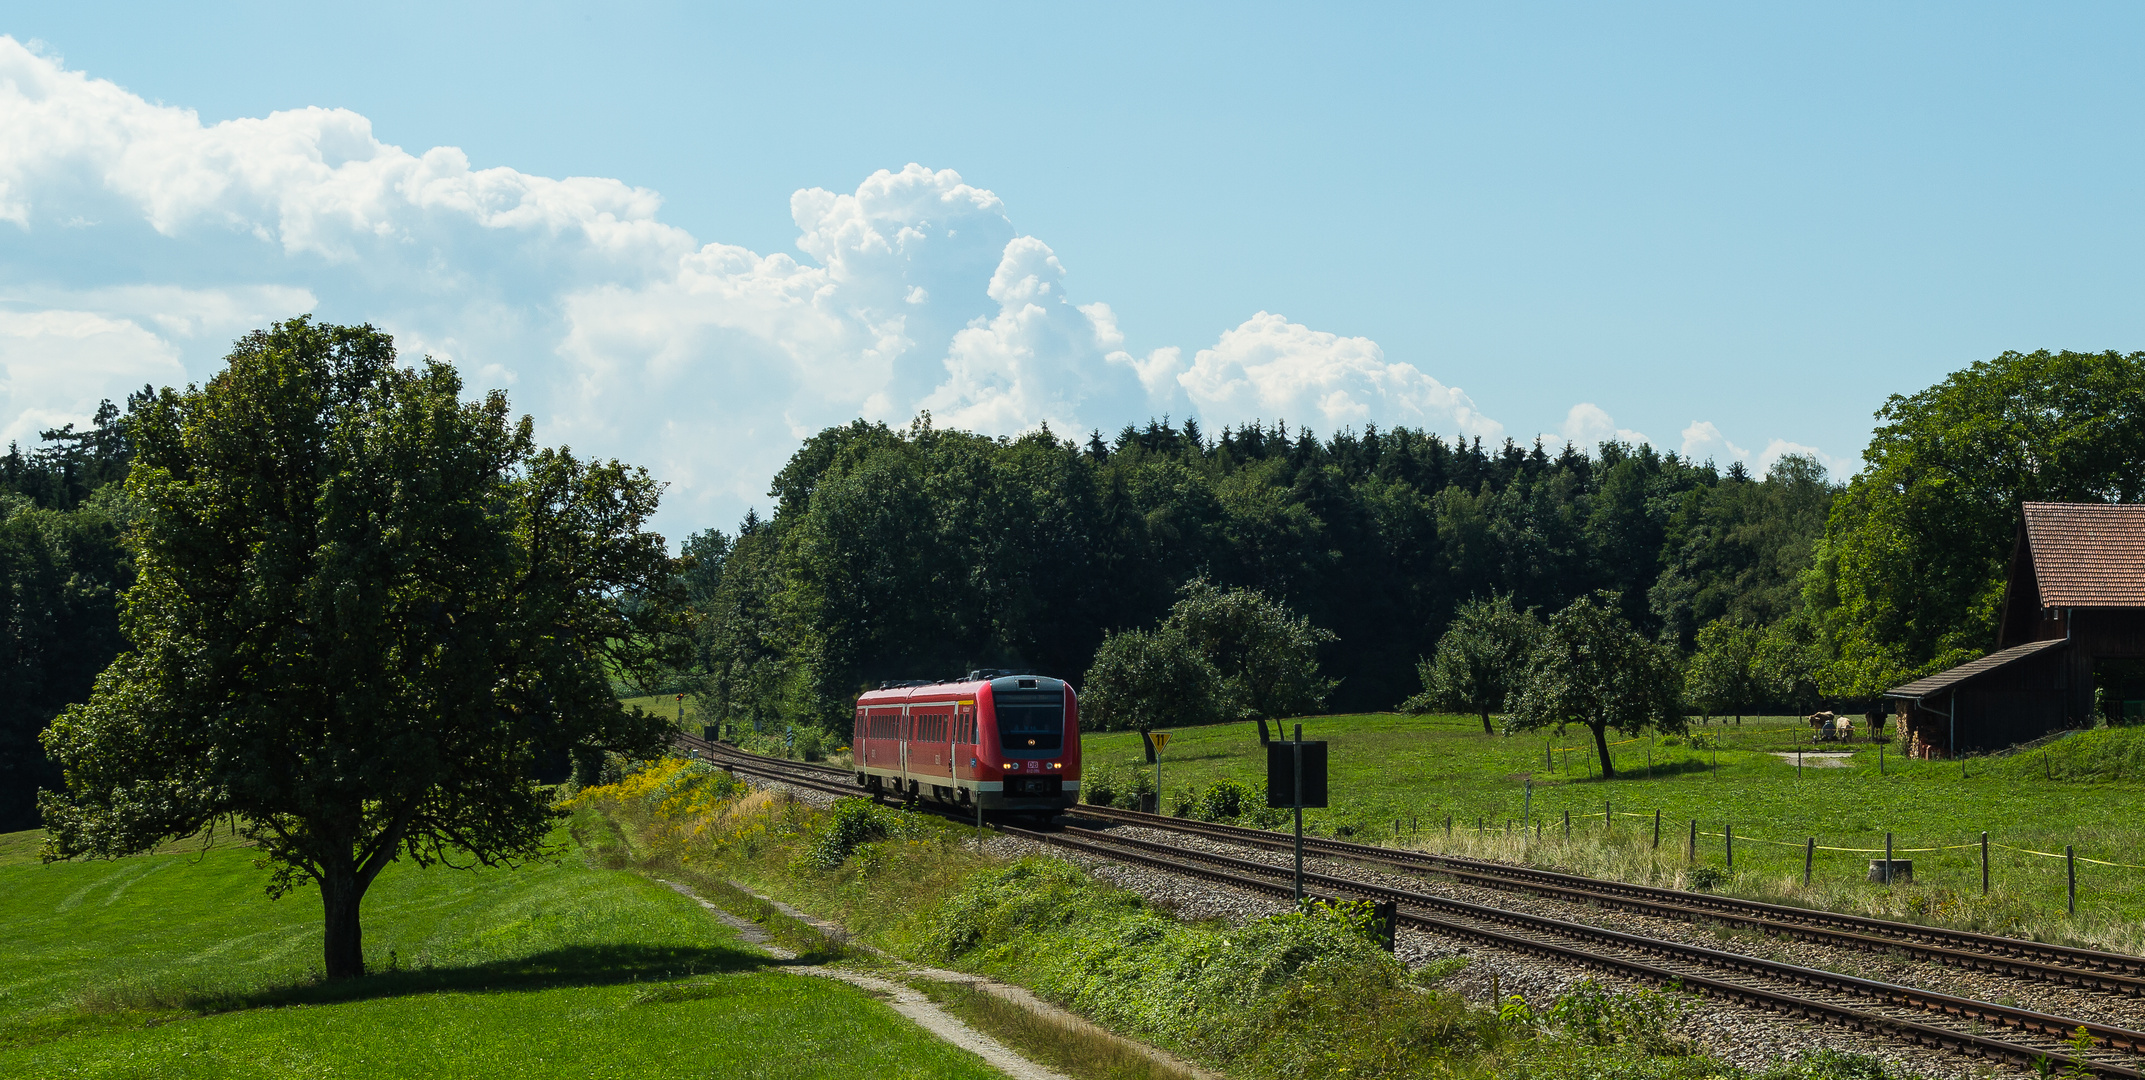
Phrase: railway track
x=2040 y=961
x=2061 y=964
x=1921 y=1017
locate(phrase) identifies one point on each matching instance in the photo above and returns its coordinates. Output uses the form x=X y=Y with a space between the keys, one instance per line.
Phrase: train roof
x=899 y=693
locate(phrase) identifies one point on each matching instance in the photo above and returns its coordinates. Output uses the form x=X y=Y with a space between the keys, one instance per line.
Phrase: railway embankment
x=1241 y=988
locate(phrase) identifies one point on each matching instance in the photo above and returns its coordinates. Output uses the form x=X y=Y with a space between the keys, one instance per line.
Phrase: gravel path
x=905 y=1000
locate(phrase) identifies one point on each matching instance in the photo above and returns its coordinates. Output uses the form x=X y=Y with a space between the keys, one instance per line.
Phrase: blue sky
x=1730 y=230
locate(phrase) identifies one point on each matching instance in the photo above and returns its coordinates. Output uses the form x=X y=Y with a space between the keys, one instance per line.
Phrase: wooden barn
x=2070 y=648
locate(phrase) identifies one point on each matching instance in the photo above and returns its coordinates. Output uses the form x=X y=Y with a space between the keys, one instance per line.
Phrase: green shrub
x=1830 y=1065
x=1099 y=787
x=851 y=825
x=1597 y=1016
x=1184 y=802
x=1226 y=800
x=1306 y=993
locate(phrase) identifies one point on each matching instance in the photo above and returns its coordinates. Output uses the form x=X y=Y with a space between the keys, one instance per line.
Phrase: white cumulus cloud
x=1587 y=425
x=56 y=365
x=1272 y=368
x=1703 y=441
x=141 y=241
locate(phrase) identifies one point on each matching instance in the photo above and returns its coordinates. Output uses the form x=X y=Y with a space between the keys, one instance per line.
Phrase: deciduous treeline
x=922 y=553
x=62 y=567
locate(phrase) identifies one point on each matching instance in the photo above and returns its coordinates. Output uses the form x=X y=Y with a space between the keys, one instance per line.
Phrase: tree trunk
x=341 y=891
x=1486 y=728
x=1601 y=743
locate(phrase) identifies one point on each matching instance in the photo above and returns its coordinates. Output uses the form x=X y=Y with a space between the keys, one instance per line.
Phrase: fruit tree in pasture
x=364 y=610
x=1594 y=669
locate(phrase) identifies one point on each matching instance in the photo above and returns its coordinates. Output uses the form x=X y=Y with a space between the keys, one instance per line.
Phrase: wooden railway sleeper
x=1964 y=1042
x=1888 y=992
x=1919 y=945
x=2091 y=959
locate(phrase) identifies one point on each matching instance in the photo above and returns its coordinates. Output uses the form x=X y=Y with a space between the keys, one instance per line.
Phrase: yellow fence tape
x=1896 y=850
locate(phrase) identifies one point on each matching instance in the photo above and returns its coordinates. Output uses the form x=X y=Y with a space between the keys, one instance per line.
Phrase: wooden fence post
x=1729 y=832
x=1984 y=862
x=1692 y=856
x=1657 y=828
x=2070 y=869
x=1809 y=859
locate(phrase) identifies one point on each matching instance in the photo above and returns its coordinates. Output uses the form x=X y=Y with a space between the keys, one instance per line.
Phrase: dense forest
x=63 y=566
x=917 y=552
x=921 y=553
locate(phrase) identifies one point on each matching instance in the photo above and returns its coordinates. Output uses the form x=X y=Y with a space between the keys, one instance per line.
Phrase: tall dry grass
x=2029 y=906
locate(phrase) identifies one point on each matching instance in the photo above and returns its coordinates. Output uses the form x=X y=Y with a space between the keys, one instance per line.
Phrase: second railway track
x=1904 y=1013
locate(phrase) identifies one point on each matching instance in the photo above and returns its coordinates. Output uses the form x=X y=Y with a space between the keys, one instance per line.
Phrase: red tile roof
x=2088 y=554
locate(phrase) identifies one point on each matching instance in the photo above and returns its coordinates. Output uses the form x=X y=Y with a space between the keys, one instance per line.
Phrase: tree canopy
x=923 y=552
x=62 y=567
x=1222 y=654
x=1910 y=572
x=363 y=611
x=1147 y=679
x=1480 y=660
x=1594 y=669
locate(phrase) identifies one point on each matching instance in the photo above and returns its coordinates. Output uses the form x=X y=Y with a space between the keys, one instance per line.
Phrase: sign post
x=1296 y=791
x=1295 y=779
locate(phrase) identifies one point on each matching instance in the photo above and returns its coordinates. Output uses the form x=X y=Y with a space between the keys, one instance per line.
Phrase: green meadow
x=2087 y=791
x=176 y=964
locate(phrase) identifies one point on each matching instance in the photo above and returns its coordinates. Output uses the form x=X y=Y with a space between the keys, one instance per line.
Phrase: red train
x=998 y=741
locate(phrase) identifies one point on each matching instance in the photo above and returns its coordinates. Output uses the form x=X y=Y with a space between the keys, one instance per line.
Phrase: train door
x=964 y=750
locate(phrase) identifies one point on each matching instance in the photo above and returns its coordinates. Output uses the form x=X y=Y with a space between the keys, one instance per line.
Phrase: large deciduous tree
x=1480 y=660
x=1265 y=654
x=1726 y=675
x=1910 y=573
x=1222 y=654
x=1594 y=669
x=364 y=609
x=1142 y=680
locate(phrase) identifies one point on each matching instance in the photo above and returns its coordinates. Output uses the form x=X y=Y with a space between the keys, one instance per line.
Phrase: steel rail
x=2060 y=964
x=1462 y=919
x=2068 y=965
x=1266 y=878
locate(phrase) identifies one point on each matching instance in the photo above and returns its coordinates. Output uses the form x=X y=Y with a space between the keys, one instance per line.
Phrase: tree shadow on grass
x=577 y=966
x=1659 y=770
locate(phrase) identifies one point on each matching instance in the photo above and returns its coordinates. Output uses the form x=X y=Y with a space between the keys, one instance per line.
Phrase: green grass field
x=177 y=965
x=1388 y=767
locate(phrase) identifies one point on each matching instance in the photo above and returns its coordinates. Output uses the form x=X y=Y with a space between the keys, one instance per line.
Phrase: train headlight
x=1009 y=766
x=1057 y=764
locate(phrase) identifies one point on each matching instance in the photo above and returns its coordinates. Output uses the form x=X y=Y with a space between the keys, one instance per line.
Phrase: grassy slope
x=663 y=705
x=177 y=965
x=1386 y=767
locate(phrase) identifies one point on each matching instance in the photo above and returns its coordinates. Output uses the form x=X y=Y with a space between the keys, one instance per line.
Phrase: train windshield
x=1031 y=726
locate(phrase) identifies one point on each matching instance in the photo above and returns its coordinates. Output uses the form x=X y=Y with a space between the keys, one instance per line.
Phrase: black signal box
x=1281 y=774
